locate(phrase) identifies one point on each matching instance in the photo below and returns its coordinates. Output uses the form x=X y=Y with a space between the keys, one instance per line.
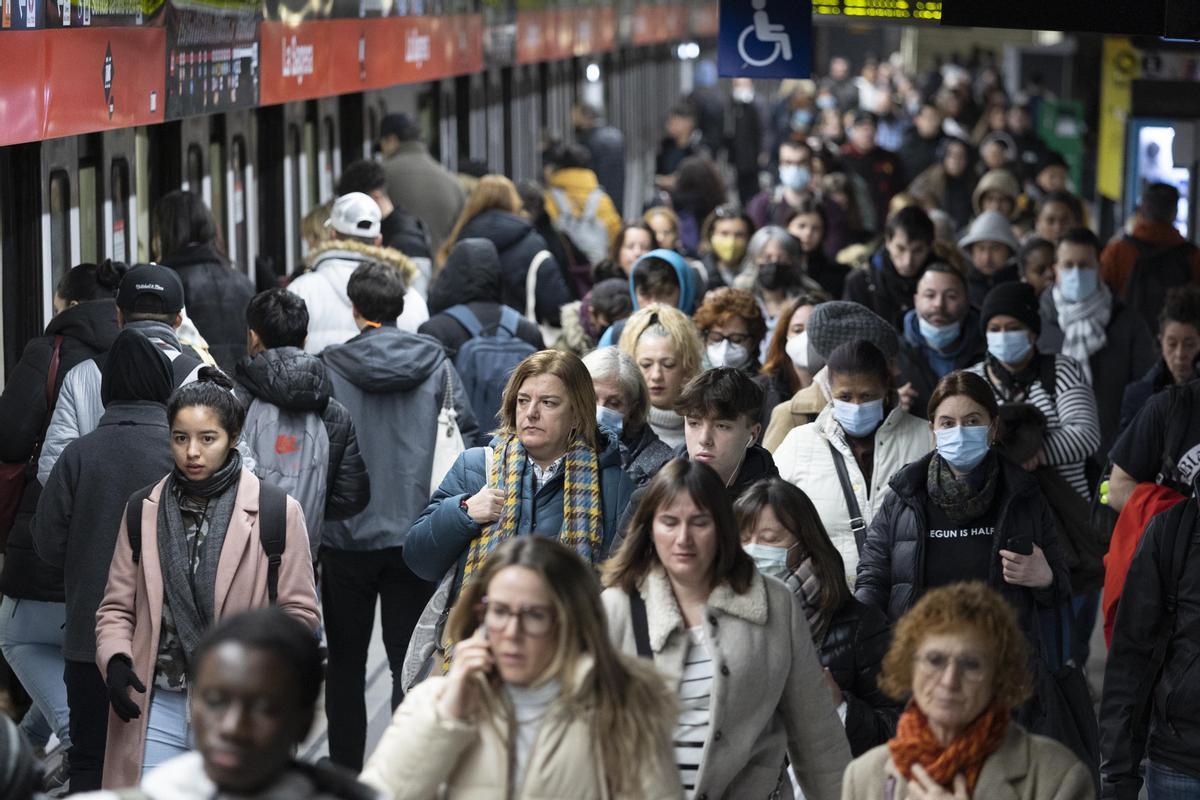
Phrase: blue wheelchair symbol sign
x=765 y=38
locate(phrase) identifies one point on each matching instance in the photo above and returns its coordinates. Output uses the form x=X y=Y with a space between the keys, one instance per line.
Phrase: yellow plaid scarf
x=583 y=520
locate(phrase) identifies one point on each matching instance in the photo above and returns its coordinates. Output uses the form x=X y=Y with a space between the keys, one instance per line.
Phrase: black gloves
x=120 y=677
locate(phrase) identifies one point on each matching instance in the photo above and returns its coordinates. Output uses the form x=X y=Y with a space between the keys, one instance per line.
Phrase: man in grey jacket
x=394 y=384
x=416 y=182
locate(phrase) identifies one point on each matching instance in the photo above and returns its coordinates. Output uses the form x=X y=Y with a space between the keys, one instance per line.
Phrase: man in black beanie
x=79 y=515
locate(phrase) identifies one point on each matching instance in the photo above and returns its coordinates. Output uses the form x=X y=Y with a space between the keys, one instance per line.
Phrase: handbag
x=448 y=441
x=15 y=477
x=1061 y=706
x=427 y=649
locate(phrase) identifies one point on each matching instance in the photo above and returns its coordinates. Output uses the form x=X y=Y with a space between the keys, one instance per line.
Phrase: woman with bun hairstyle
x=200 y=558
x=84 y=325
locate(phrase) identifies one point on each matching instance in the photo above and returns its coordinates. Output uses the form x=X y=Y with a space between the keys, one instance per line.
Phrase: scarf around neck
x=806 y=586
x=1084 y=324
x=190 y=573
x=1014 y=386
x=667 y=425
x=915 y=743
x=963 y=497
x=583 y=521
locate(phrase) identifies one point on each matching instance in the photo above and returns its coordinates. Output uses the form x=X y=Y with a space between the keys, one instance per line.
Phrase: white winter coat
x=330 y=312
x=804 y=460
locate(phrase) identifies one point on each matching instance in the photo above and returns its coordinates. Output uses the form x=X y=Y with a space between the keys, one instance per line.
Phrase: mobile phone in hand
x=1021 y=545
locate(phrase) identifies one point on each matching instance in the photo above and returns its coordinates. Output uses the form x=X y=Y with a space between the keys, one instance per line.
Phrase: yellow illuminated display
x=894 y=9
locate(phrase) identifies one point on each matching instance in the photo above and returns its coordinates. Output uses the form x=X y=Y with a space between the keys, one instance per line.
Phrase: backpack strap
x=562 y=201
x=531 y=278
x=133 y=519
x=464 y=316
x=641 y=624
x=272 y=531
x=858 y=525
x=510 y=320
x=592 y=206
x=1178 y=538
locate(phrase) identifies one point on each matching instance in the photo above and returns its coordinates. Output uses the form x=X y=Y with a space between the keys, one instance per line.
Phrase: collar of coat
x=664 y=617
x=350 y=248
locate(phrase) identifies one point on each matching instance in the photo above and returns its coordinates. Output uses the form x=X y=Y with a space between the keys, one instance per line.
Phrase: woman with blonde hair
x=537 y=699
x=666 y=346
x=550 y=471
x=961 y=658
x=493 y=212
x=683 y=594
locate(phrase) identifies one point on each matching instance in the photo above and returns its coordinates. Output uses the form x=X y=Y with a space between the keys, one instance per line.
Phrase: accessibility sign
x=765 y=39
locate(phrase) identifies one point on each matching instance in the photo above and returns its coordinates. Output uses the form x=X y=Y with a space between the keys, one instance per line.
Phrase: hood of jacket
x=286 y=377
x=471 y=274
x=347 y=255
x=195 y=253
x=385 y=359
x=157 y=331
x=502 y=228
x=577 y=182
x=910 y=482
x=687 y=289
x=969 y=334
x=93 y=323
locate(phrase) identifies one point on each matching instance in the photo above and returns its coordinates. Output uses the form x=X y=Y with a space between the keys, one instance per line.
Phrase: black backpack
x=1156 y=271
x=272 y=528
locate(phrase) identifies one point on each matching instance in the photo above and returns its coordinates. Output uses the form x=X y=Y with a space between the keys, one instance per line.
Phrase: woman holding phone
x=961 y=513
x=537 y=700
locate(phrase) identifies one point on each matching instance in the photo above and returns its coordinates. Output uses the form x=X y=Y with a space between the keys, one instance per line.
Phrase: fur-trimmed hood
x=664 y=616
x=350 y=250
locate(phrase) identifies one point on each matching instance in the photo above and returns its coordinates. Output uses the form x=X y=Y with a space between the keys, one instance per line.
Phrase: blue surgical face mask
x=857 y=419
x=794 y=176
x=939 y=337
x=826 y=101
x=769 y=559
x=1009 y=347
x=1078 y=283
x=802 y=118
x=963 y=447
x=613 y=420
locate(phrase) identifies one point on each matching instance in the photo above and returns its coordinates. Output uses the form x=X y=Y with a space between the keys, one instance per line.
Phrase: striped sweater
x=1072 y=422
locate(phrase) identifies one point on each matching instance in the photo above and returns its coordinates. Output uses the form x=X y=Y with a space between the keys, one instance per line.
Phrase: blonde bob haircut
x=632 y=710
x=492 y=193
x=970 y=606
x=667 y=323
x=580 y=398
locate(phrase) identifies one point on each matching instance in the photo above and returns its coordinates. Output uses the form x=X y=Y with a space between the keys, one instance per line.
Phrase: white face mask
x=728 y=354
x=797 y=349
x=770 y=559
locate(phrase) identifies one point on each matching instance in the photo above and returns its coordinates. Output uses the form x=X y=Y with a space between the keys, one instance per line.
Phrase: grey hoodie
x=393 y=383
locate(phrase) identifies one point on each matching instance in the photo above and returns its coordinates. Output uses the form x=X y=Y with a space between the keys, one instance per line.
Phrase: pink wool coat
x=129 y=617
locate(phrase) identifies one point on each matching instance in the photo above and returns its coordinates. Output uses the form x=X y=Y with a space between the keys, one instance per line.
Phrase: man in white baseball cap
x=354 y=221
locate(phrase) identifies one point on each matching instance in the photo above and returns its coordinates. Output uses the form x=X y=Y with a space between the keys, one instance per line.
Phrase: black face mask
x=773 y=276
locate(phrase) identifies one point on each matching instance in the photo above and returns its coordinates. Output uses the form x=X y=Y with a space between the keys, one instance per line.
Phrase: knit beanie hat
x=990 y=226
x=1017 y=300
x=839 y=322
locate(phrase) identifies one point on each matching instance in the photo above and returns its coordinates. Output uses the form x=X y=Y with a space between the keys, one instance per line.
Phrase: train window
x=119 y=244
x=372 y=131
x=239 y=244
x=195 y=169
x=329 y=149
x=216 y=165
x=293 y=184
x=60 y=224
x=88 y=213
x=312 y=187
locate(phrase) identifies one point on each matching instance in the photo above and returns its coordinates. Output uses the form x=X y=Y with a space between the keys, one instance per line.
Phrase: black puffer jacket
x=891 y=572
x=518 y=243
x=642 y=456
x=853 y=648
x=215 y=296
x=472 y=276
x=294 y=380
x=405 y=232
x=88 y=329
x=1175 y=719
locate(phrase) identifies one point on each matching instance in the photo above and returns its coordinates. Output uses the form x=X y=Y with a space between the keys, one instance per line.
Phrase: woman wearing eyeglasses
x=537 y=703
x=960 y=657
x=733 y=329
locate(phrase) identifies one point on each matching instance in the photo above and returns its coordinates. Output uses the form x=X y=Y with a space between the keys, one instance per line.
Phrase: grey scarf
x=807 y=588
x=189 y=577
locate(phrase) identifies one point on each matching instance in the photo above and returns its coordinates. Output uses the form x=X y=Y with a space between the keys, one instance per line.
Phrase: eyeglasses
x=934 y=662
x=713 y=337
x=531 y=620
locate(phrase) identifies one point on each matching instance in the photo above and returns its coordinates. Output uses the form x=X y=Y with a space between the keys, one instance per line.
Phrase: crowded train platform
x=599 y=400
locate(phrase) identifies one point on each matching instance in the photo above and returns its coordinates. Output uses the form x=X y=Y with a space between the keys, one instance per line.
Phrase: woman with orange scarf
x=960 y=657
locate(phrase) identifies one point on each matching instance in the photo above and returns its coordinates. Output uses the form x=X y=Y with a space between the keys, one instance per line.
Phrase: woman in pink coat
x=200 y=560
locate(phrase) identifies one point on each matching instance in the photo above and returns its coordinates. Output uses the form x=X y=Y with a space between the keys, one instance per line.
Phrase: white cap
x=355 y=214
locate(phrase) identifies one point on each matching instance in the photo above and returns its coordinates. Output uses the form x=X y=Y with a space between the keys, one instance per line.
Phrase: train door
x=328 y=147
x=60 y=216
x=239 y=178
x=527 y=112
x=497 y=122
x=120 y=198
x=194 y=145
x=477 y=130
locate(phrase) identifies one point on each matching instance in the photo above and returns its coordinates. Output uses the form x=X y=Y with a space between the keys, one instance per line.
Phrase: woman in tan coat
x=735 y=645
x=962 y=659
x=200 y=559
x=537 y=703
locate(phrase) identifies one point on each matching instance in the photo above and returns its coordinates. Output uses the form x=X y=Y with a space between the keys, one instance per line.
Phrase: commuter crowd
x=812 y=478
